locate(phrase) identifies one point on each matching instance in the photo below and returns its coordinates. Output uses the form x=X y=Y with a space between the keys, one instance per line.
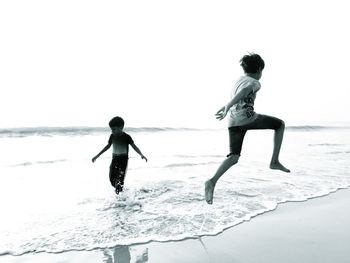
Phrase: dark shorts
x=117 y=171
x=237 y=133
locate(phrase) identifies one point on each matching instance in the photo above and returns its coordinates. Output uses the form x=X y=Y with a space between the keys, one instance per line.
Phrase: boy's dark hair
x=252 y=63
x=116 y=122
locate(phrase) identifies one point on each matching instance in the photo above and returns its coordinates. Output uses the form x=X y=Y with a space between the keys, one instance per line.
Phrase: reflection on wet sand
x=122 y=254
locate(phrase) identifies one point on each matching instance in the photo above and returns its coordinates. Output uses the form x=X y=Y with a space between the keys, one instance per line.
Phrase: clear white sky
x=169 y=63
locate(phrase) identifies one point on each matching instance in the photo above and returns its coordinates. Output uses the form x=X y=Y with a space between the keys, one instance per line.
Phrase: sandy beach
x=317 y=230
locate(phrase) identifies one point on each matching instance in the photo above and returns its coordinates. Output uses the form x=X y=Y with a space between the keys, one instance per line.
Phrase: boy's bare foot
x=209 y=190
x=278 y=166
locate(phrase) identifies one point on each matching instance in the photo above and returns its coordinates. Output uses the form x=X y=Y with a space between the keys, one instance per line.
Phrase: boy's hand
x=144 y=157
x=221 y=113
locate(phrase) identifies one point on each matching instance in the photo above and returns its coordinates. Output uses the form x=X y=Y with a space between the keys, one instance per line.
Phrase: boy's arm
x=240 y=95
x=138 y=151
x=101 y=152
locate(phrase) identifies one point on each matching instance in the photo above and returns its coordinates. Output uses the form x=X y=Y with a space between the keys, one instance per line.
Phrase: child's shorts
x=237 y=133
x=117 y=171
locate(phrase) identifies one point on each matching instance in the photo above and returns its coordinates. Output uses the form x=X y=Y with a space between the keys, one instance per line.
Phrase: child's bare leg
x=210 y=184
x=278 y=138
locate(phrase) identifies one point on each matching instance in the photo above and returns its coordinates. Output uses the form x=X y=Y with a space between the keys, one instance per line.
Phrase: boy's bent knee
x=282 y=124
x=233 y=158
x=279 y=125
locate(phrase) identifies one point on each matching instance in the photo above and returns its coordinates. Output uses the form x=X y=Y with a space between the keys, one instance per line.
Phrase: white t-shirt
x=243 y=113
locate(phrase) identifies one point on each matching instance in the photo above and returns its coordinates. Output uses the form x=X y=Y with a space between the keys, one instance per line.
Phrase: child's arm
x=103 y=150
x=240 y=95
x=138 y=151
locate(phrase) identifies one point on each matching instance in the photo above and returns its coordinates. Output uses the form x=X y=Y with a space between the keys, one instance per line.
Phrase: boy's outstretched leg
x=277 y=142
x=210 y=184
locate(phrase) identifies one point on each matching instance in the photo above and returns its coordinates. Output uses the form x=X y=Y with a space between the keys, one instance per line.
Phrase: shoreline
x=314 y=230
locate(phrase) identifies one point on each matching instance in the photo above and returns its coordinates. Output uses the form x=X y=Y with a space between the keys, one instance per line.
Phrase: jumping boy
x=120 y=141
x=243 y=118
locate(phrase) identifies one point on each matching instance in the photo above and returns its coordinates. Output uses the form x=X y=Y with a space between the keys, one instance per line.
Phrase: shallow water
x=54 y=199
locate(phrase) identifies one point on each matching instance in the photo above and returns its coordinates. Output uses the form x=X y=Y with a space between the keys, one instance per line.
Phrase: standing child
x=120 y=141
x=243 y=118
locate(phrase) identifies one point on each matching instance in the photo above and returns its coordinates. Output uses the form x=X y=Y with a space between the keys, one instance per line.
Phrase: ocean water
x=54 y=199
